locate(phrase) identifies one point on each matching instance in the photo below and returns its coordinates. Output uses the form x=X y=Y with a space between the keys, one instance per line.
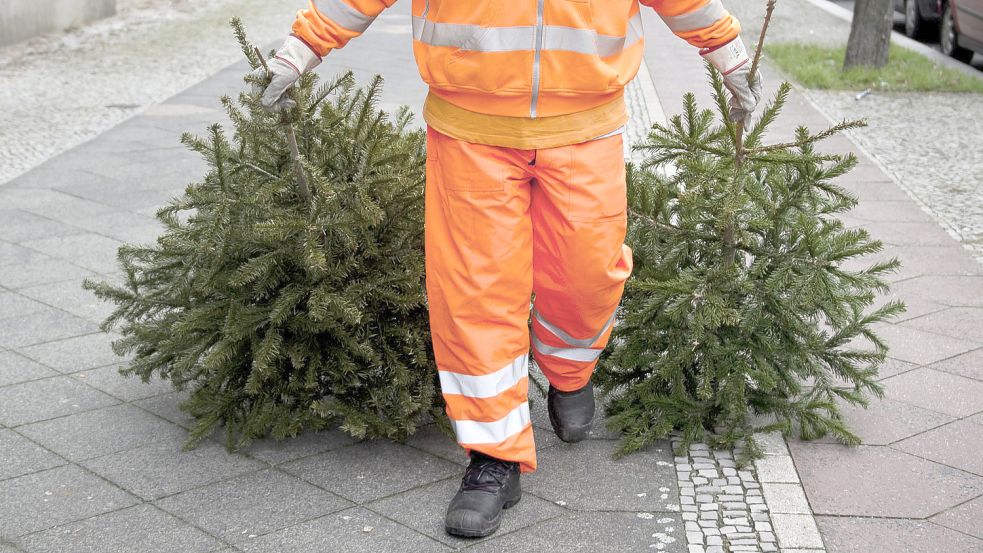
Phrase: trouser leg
x=580 y=261
x=479 y=281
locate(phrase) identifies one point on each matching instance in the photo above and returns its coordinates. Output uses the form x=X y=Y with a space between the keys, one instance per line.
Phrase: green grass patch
x=821 y=67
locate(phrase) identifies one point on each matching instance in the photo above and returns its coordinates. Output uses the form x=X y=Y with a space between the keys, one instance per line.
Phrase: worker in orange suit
x=525 y=195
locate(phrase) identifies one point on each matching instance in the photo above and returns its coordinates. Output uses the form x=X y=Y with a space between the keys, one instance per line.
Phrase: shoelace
x=474 y=475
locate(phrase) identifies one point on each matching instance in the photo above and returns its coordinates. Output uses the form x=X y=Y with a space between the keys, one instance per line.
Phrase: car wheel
x=914 y=25
x=948 y=39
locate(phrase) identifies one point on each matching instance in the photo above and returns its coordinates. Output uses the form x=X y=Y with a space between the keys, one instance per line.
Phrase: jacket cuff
x=727 y=58
x=298 y=54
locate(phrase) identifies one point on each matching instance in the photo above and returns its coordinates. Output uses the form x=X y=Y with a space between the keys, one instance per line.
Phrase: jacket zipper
x=534 y=104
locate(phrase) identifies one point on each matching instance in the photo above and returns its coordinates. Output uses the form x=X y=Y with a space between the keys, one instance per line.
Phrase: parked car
x=921 y=17
x=961 y=30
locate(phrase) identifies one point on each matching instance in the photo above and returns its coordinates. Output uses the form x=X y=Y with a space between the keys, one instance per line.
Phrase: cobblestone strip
x=760 y=509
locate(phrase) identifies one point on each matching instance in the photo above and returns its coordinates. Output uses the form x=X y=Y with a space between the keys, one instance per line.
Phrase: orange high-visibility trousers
x=502 y=224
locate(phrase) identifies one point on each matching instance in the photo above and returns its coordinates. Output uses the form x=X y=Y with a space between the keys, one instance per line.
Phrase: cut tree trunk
x=870 y=34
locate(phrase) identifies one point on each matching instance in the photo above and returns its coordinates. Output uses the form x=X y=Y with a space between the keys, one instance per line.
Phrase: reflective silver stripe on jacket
x=523 y=38
x=703 y=17
x=344 y=15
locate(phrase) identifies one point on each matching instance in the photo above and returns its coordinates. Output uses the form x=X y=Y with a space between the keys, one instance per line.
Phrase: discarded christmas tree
x=287 y=291
x=740 y=308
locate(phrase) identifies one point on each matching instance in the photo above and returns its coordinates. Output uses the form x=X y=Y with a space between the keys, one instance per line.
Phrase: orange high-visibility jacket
x=523 y=58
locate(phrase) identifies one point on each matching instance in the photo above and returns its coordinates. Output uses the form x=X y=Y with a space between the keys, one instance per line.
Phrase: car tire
x=914 y=25
x=949 y=38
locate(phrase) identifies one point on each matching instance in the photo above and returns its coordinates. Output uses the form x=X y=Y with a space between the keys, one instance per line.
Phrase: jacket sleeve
x=703 y=23
x=329 y=24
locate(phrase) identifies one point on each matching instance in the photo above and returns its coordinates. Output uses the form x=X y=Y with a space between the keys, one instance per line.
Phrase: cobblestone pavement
x=62 y=89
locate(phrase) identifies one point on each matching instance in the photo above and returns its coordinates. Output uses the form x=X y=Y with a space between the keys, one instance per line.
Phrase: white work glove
x=733 y=63
x=292 y=60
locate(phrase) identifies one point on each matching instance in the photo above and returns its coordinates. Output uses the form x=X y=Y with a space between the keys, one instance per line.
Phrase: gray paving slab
x=875 y=535
x=128 y=388
x=930 y=260
x=958 y=444
x=423 y=508
x=432 y=440
x=257 y=503
x=886 y=421
x=276 y=452
x=103 y=431
x=594 y=532
x=125 y=226
x=959 y=322
x=898 y=233
x=137 y=529
x=13 y=254
x=17 y=225
x=37 y=268
x=879 y=481
x=586 y=476
x=91 y=251
x=160 y=469
x=48 y=398
x=15 y=368
x=796 y=530
x=963 y=518
x=22 y=456
x=954 y=291
x=371 y=470
x=902 y=210
x=167 y=406
x=52 y=204
x=44 y=326
x=42 y=500
x=969 y=365
x=15 y=305
x=74 y=354
x=68 y=295
x=891 y=367
x=936 y=391
x=354 y=530
x=920 y=347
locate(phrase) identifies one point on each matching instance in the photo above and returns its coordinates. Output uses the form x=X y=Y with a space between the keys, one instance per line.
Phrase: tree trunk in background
x=870 y=34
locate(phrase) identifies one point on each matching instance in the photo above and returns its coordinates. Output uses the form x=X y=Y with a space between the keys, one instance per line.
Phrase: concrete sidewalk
x=92 y=461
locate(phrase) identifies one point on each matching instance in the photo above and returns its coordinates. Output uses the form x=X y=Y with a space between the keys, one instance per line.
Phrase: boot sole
x=471 y=533
x=573 y=435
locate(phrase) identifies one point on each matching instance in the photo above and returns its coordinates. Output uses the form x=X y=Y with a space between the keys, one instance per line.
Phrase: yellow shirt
x=524 y=133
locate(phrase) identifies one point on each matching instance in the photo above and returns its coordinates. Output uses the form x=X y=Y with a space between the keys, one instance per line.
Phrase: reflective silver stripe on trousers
x=524 y=38
x=570 y=354
x=702 y=17
x=486 y=385
x=344 y=15
x=494 y=432
x=570 y=340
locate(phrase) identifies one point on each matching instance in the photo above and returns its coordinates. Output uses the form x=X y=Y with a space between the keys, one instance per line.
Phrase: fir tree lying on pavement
x=741 y=304
x=287 y=293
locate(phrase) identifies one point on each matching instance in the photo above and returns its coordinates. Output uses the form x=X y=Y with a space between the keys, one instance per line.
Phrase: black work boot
x=571 y=412
x=489 y=486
